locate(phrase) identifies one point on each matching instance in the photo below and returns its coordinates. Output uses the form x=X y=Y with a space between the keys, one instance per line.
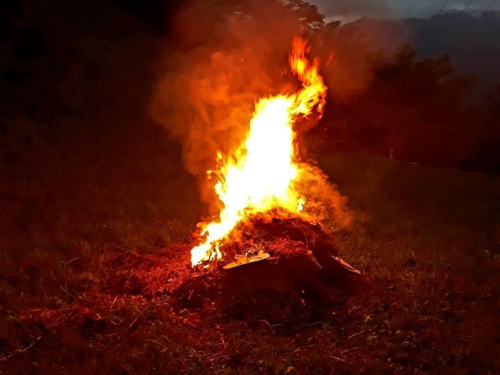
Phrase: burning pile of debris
x=282 y=237
x=273 y=253
x=264 y=238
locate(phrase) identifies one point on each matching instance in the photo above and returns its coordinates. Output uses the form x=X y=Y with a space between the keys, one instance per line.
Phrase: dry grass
x=424 y=238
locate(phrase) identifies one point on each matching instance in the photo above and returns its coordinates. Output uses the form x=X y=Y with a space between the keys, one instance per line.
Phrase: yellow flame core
x=260 y=175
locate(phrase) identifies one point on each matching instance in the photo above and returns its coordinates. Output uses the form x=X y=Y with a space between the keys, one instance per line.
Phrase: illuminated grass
x=425 y=238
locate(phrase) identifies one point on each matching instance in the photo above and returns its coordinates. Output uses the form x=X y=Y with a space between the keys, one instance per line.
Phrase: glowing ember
x=261 y=174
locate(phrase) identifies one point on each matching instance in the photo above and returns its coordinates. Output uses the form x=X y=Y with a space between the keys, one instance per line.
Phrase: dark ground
x=96 y=217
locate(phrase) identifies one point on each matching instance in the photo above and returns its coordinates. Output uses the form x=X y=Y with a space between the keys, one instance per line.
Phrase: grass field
x=96 y=221
x=92 y=250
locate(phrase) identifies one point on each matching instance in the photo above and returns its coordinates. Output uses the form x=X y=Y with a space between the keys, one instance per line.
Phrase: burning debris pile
x=272 y=255
x=266 y=235
x=278 y=237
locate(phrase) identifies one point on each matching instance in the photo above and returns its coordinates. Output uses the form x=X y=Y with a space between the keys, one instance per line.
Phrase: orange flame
x=260 y=175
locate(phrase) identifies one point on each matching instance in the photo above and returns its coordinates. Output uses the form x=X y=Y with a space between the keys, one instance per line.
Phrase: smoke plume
x=216 y=68
x=211 y=78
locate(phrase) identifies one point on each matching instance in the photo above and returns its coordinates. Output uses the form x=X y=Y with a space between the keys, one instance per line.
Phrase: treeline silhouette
x=387 y=102
x=419 y=110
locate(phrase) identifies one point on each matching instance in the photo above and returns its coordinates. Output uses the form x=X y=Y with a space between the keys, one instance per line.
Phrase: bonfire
x=265 y=221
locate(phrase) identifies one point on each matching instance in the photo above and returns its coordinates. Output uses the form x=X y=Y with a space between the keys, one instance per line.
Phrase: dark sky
x=350 y=9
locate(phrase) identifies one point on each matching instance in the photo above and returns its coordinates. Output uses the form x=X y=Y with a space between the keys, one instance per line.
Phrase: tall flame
x=260 y=175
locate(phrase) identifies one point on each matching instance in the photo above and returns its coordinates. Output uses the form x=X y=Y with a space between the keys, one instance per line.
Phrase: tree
x=301 y=13
x=423 y=110
x=494 y=103
x=487 y=155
